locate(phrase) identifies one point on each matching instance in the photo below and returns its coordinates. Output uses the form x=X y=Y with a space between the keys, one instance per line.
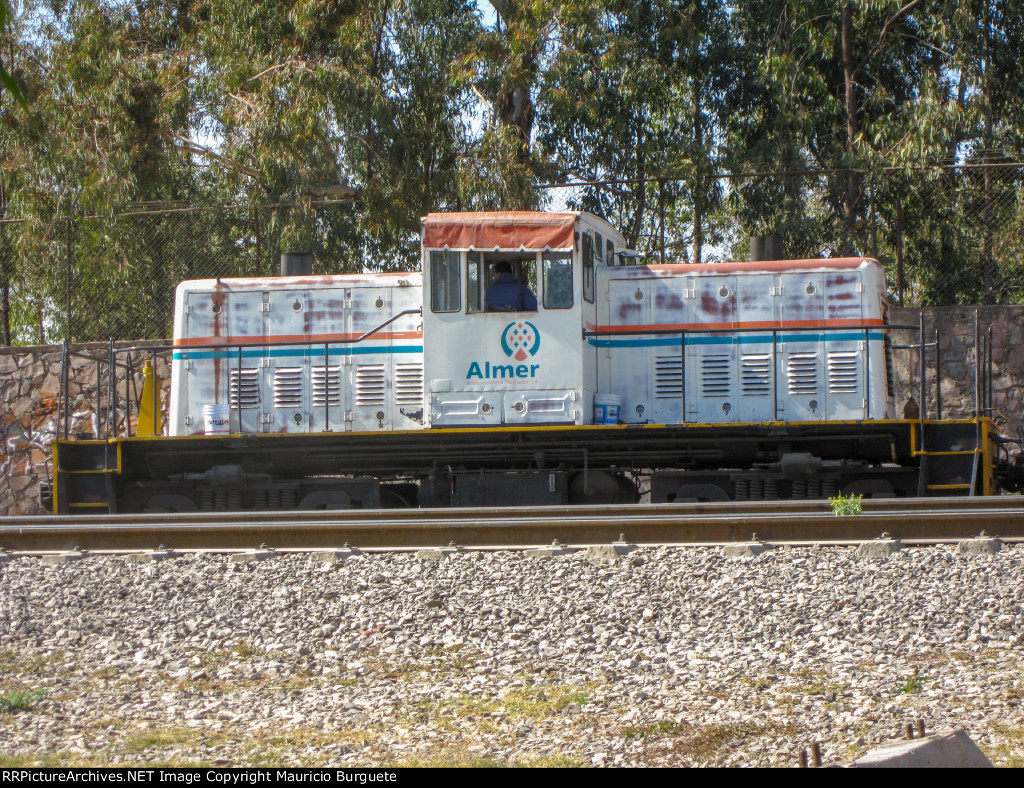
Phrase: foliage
x=634 y=92
x=912 y=684
x=6 y=80
x=20 y=699
x=415 y=106
x=846 y=506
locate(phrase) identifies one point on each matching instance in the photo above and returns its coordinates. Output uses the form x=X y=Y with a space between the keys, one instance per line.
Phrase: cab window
x=475 y=282
x=557 y=280
x=445 y=285
x=588 y=268
x=483 y=271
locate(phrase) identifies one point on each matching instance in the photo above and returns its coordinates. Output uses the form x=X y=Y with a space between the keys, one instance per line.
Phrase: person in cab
x=506 y=294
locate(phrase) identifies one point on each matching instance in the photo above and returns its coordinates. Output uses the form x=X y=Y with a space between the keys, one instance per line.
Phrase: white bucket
x=606 y=408
x=217 y=419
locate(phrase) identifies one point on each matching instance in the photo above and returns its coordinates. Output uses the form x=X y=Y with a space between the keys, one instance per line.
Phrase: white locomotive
x=797 y=340
x=603 y=379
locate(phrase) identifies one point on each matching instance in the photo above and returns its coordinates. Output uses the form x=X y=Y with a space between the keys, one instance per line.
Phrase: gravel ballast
x=662 y=656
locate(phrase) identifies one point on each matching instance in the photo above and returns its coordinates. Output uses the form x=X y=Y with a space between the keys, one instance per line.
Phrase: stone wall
x=956 y=330
x=29 y=380
x=29 y=385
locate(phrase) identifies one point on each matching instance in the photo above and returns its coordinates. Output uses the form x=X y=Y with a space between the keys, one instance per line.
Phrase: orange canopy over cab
x=526 y=230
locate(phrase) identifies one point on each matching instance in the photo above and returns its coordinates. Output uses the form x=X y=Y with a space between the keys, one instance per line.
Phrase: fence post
x=67 y=282
x=5 y=276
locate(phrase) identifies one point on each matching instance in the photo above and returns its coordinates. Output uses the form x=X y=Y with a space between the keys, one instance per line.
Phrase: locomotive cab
x=506 y=298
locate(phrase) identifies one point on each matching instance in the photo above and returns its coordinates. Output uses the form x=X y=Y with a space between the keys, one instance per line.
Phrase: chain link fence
x=946 y=236
x=92 y=278
x=950 y=236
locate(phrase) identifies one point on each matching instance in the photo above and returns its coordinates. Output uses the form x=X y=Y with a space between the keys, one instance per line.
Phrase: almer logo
x=519 y=340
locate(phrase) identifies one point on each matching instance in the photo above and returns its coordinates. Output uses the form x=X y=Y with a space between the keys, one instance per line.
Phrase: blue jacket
x=507 y=295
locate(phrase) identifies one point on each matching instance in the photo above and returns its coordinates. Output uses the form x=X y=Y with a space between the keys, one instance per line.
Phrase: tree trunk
x=374 y=71
x=987 y=261
x=513 y=104
x=900 y=273
x=633 y=234
x=698 y=184
x=5 y=269
x=849 y=76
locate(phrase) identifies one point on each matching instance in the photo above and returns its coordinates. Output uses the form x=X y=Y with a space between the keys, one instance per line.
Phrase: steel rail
x=987 y=503
x=911 y=520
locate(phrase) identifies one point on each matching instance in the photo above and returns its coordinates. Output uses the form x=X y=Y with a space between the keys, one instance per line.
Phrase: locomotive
x=675 y=382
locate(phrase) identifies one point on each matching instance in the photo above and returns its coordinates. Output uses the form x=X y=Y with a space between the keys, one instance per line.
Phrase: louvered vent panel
x=756 y=375
x=288 y=387
x=409 y=384
x=842 y=372
x=802 y=373
x=326 y=386
x=714 y=376
x=668 y=377
x=371 y=384
x=245 y=389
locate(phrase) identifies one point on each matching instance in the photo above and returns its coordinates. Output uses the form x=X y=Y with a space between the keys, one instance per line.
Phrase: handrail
x=766 y=329
x=109 y=405
x=261 y=343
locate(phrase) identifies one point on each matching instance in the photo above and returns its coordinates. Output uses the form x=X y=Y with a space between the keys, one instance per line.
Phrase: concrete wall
x=29 y=378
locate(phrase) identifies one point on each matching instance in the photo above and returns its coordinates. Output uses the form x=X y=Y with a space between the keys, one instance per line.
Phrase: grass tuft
x=700 y=745
x=912 y=684
x=20 y=699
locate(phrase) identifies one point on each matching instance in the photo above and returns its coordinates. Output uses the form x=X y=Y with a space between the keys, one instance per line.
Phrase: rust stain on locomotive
x=723 y=308
x=628 y=313
x=668 y=301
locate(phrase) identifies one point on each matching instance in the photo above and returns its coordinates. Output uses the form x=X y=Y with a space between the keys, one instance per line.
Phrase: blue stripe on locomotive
x=742 y=339
x=298 y=352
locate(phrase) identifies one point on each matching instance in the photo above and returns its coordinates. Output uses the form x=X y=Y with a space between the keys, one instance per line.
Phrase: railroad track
x=920 y=521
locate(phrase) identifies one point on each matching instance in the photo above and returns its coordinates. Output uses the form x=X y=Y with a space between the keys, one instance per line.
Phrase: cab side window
x=501 y=282
x=557 y=280
x=475 y=282
x=445 y=281
x=588 y=268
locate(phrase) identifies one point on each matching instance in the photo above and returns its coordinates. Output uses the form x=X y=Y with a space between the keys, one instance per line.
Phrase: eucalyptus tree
x=367 y=96
x=10 y=118
x=7 y=82
x=114 y=93
x=986 y=48
x=830 y=78
x=509 y=54
x=634 y=99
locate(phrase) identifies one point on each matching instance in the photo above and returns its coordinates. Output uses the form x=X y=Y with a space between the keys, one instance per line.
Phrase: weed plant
x=846 y=506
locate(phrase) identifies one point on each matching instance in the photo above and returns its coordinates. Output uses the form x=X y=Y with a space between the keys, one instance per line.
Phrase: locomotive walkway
x=913 y=521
